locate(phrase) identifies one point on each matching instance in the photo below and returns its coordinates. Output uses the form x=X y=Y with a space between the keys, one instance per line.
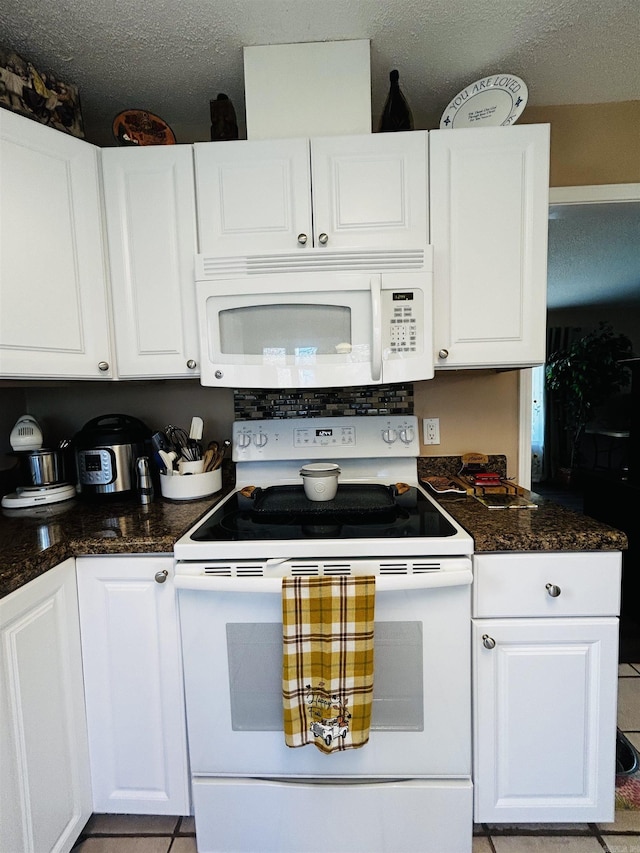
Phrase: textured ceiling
x=172 y=56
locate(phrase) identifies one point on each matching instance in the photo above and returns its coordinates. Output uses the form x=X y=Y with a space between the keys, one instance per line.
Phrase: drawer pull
x=488 y=642
x=553 y=590
x=160 y=577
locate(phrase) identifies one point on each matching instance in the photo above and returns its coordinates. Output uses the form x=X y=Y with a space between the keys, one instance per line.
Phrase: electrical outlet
x=431 y=430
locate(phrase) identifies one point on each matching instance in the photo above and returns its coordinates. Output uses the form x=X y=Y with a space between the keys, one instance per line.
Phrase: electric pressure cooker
x=107 y=449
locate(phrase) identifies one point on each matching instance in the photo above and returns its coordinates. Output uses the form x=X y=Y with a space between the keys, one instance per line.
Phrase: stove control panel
x=326 y=438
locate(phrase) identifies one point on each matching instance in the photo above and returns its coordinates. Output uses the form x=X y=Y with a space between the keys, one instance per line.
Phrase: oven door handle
x=385 y=583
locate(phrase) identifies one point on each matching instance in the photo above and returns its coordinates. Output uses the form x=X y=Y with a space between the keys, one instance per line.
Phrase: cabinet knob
x=553 y=590
x=302 y=239
x=191 y=364
x=218 y=374
x=323 y=238
x=488 y=642
x=443 y=353
x=160 y=577
x=103 y=366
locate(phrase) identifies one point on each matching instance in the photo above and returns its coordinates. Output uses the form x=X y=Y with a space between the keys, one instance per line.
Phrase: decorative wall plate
x=491 y=102
x=140 y=127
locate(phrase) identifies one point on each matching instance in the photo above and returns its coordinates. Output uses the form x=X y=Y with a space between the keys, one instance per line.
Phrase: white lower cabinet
x=45 y=787
x=133 y=685
x=545 y=658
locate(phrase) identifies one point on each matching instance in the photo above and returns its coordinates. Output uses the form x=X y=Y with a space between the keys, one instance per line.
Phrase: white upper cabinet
x=338 y=192
x=370 y=191
x=489 y=218
x=53 y=304
x=253 y=196
x=151 y=227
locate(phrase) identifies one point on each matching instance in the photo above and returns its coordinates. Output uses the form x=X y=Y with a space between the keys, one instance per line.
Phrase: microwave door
x=309 y=331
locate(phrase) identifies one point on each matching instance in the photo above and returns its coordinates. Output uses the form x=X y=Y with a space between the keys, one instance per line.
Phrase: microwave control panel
x=402 y=312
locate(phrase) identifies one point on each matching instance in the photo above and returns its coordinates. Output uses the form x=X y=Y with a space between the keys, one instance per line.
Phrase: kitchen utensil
x=26 y=434
x=320 y=480
x=168 y=458
x=197 y=427
x=208 y=459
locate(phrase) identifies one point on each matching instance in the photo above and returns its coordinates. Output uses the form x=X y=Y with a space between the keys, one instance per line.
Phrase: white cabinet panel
x=549 y=584
x=370 y=191
x=337 y=192
x=150 y=215
x=545 y=719
x=252 y=196
x=44 y=760
x=489 y=218
x=54 y=318
x=133 y=683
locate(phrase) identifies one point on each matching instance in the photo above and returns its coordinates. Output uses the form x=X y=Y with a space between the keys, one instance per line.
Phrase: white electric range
x=409 y=789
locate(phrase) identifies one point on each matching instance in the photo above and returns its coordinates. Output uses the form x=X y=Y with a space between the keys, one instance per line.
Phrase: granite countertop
x=33 y=542
x=548 y=527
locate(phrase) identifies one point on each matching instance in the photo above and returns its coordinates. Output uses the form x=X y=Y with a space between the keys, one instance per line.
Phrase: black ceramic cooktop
x=357 y=512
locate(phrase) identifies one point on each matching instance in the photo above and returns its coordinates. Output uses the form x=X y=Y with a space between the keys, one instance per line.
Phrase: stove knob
x=260 y=439
x=243 y=440
x=389 y=435
x=407 y=434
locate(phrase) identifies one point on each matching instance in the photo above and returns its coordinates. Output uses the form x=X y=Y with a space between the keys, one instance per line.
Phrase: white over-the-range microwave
x=318 y=320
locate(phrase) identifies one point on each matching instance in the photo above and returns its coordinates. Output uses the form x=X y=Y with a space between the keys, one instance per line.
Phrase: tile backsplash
x=253 y=404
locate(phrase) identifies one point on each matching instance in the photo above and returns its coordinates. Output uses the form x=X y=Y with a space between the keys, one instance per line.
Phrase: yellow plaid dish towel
x=327 y=674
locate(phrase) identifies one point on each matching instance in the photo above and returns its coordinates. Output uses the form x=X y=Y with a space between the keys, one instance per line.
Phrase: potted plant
x=582 y=377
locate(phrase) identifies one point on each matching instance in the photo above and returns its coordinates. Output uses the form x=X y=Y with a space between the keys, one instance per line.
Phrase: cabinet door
x=370 y=191
x=489 y=221
x=545 y=719
x=53 y=321
x=133 y=685
x=253 y=196
x=45 y=789
x=151 y=224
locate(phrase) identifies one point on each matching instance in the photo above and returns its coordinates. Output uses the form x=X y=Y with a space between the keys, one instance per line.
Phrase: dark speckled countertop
x=549 y=527
x=33 y=542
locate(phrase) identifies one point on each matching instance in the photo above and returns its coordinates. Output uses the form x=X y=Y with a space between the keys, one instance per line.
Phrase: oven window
x=254 y=652
x=282 y=330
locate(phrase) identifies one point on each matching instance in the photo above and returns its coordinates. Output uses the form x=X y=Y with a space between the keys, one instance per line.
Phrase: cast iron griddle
x=367 y=502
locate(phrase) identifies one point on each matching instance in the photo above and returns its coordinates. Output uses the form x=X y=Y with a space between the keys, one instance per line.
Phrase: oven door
x=232 y=645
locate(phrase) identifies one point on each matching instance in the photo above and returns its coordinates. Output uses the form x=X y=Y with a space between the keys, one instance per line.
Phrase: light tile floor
x=156 y=834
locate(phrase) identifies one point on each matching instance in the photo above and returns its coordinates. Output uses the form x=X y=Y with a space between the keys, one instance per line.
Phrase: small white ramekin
x=320 y=480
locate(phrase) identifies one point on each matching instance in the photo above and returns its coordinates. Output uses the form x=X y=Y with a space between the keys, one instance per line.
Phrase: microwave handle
x=376 y=322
